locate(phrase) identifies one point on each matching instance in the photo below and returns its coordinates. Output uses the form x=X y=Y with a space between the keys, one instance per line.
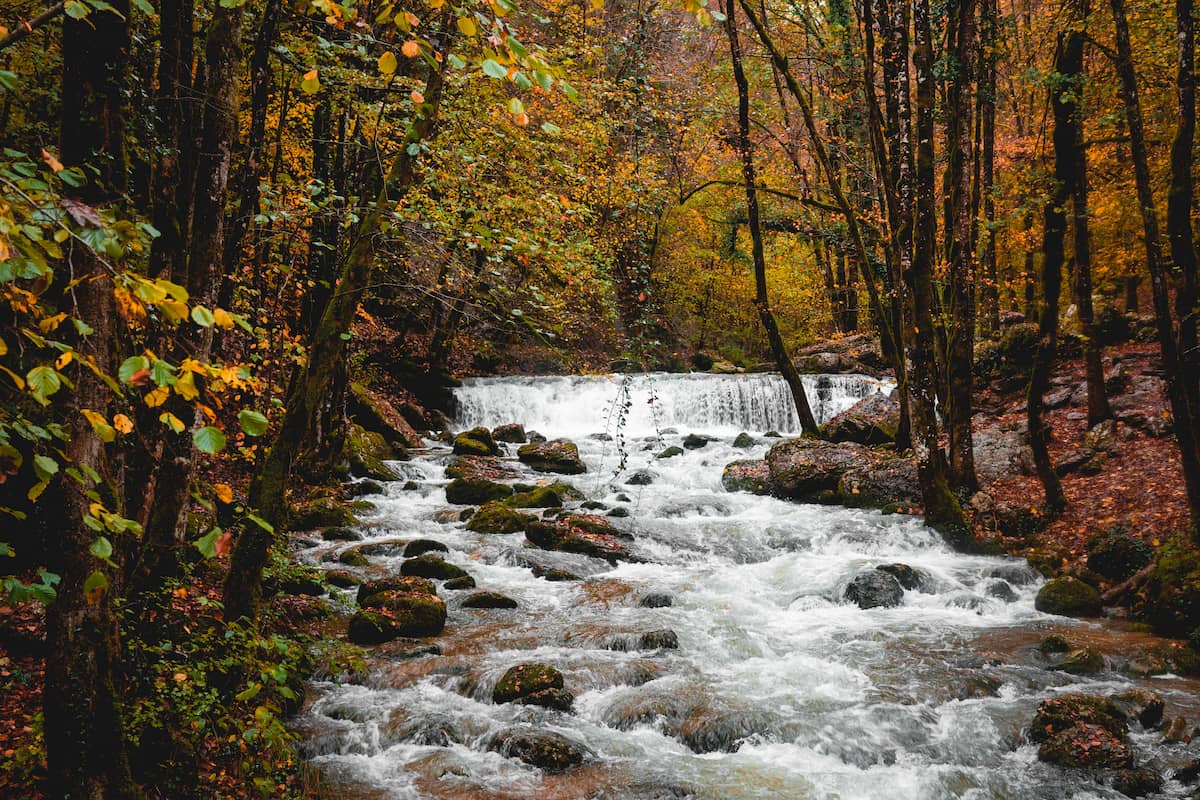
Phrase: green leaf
x=568 y=90
x=75 y=9
x=131 y=366
x=456 y=61
x=252 y=422
x=101 y=548
x=144 y=7
x=249 y=692
x=311 y=84
x=262 y=523
x=493 y=69
x=515 y=106
x=209 y=440
x=43 y=381
x=387 y=63
x=163 y=374
x=207 y=544
x=551 y=129
x=95 y=584
x=202 y=316
x=45 y=467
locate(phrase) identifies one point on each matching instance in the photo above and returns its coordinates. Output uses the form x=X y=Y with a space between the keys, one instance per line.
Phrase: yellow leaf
x=435 y=4
x=185 y=387
x=51 y=161
x=17 y=379
x=222 y=318
x=171 y=421
x=122 y=423
x=3 y=344
x=224 y=492
x=64 y=359
x=174 y=310
x=597 y=4
x=192 y=365
x=387 y=65
x=410 y=49
x=467 y=26
x=158 y=396
x=51 y=323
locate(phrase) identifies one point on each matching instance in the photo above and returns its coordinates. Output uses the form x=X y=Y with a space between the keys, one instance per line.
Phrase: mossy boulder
x=538 y=497
x=474 y=491
x=1172 y=604
x=489 y=600
x=418 y=547
x=1088 y=747
x=1084 y=661
x=323 y=513
x=513 y=433
x=363 y=488
x=487 y=468
x=545 y=750
x=669 y=452
x=809 y=470
x=375 y=413
x=396 y=583
x=458 y=584
x=909 y=577
x=1116 y=556
x=475 y=442
x=366 y=451
x=557 y=699
x=431 y=566
x=1068 y=597
x=890 y=483
x=524 y=680
x=342 y=579
x=1141 y=704
x=371 y=627
x=496 y=517
x=558 y=456
x=353 y=558
x=872 y=420
x=744 y=441
x=747 y=475
x=1057 y=714
x=412 y=613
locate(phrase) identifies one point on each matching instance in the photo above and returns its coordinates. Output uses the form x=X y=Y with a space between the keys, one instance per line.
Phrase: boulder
x=371 y=627
x=1068 y=597
x=1172 y=603
x=669 y=452
x=1086 y=746
x=396 y=583
x=810 y=469
x=342 y=579
x=694 y=441
x=475 y=442
x=412 y=614
x=486 y=468
x=1084 y=661
x=554 y=575
x=1116 y=556
x=473 y=491
x=642 y=477
x=873 y=589
x=495 y=517
x=744 y=440
x=708 y=730
x=872 y=420
x=419 y=547
x=513 y=433
x=751 y=475
x=455 y=584
x=1001 y=453
x=891 y=483
x=430 y=566
x=543 y=749
x=1057 y=714
x=352 y=558
x=366 y=451
x=376 y=414
x=557 y=699
x=524 y=680
x=559 y=455
x=340 y=534
x=1137 y=782
x=322 y=513
x=540 y=497
x=909 y=577
x=488 y=600
x=362 y=488
x=656 y=600
x=1141 y=704
x=586 y=534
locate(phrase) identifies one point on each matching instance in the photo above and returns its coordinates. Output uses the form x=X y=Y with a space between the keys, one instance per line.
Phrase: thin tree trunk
x=987 y=92
x=167 y=252
x=1097 y=399
x=745 y=147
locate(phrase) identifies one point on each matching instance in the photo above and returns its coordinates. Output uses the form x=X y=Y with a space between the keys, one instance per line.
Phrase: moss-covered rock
x=545 y=750
x=558 y=455
x=487 y=468
x=475 y=442
x=366 y=451
x=1115 y=555
x=1142 y=705
x=342 y=579
x=418 y=547
x=473 y=491
x=538 y=497
x=1054 y=643
x=744 y=440
x=809 y=469
x=747 y=475
x=513 y=433
x=460 y=583
x=496 y=517
x=375 y=413
x=353 y=558
x=524 y=680
x=1173 y=592
x=1068 y=597
x=325 y=512
x=489 y=600
x=669 y=452
x=873 y=589
x=430 y=566
x=412 y=613
x=909 y=577
x=363 y=488
x=557 y=699
x=891 y=483
x=872 y=420
x=396 y=583
x=1057 y=714
x=1084 y=661
x=1086 y=746
x=371 y=627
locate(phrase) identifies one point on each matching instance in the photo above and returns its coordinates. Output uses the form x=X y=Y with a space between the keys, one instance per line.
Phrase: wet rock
x=1054 y=644
x=744 y=440
x=413 y=614
x=376 y=414
x=418 y=547
x=524 y=680
x=1083 y=661
x=430 y=730
x=536 y=438
x=890 y=483
x=457 y=584
x=694 y=441
x=585 y=534
x=1068 y=597
x=495 y=517
x=513 y=433
x=1141 y=704
x=475 y=491
x=656 y=600
x=541 y=497
x=366 y=451
x=341 y=535
x=1146 y=665
x=299 y=586
x=430 y=566
x=475 y=442
x=873 y=589
x=396 y=583
x=557 y=699
x=670 y=452
x=713 y=731
x=619 y=512
x=909 y=577
x=554 y=575
x=411 y=486
x=1057 y=714
x=320 y=514
x=485 y=468
x=1016 y=573
x=1086 y=746
x=559 y=456
x=640 y=478
x=371 y=627
x=342 y=579
x=353 y=558
x=1179 y=731
x=545 y=750
x=804 y=469
x=1137 y=782
x=362 y=488
x=489 y=600
x=872 y=420
x=1116 y=556
x=751 y=475
x=1001 y=590
x=665 y=639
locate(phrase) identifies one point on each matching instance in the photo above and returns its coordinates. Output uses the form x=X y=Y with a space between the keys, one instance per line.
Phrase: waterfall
x=642 y=404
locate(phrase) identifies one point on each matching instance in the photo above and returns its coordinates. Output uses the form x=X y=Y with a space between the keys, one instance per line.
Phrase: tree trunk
x=172 y=126
x=990 y=294
x=86 y=750
x=243 y=585
x=745 y=147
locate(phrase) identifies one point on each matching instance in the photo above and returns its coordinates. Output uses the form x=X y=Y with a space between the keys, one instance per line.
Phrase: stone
x=413 y=614
x=371 y=627
x=554 y=575
x=1001 y=590
x=524 y=680
x=744 y=440
x=874 y=589
x=656 y=600
x=585 y=534
x=1057 y=714
x=1137 y=782
x=1086 y=746
x=488 y=600
x=640 y=478
x=513 y=433
x=419 y=547
x=475 y=442
x=376 y=414
x=1116 y=556
x=1141 y=704
x=1000 y=454
x=396 y=583
x=557 y=699
x=891 y=483
x=366 y=451
x=540 y=497
x=545 y=750
x=322 y=513
x=341 y=534
x=694 y=441
x=669 y=452
x=751 y=475
x=559 y=455
x=495 y=517
x=430 y=566
x=802 y=469
x=353 y=558
x=909 y=577
x=473 y=491
x=342 y=579
x=1068 y=597
x=457 y=584
x=488 y=468
x=1084 y=661
x=362 y=488
x=872 y=420
x=1054 y=643
x=1172 y=604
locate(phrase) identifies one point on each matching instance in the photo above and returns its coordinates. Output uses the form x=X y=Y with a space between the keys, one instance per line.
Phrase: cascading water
x=778 y=687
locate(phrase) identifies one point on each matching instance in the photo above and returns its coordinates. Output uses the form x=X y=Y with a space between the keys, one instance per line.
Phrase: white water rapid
x=778 y=690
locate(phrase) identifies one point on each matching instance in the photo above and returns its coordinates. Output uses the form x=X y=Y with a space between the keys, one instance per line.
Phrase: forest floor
x=1139 y=488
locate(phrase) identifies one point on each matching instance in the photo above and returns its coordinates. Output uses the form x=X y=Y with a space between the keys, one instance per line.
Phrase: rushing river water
x=778 y=688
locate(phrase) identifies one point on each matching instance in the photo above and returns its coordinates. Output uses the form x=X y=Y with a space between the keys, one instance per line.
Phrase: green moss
x=366 y=451
x=524 y=680
x=469 y=491
x=430 y=566
x=396 y=583
x=538 y=497
x=1068 y=597
x=323 y=513
x=495 y=517
x=1173 y=592
x=475 y=442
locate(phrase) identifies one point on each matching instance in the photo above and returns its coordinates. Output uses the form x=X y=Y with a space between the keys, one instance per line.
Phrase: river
x=778 y=687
